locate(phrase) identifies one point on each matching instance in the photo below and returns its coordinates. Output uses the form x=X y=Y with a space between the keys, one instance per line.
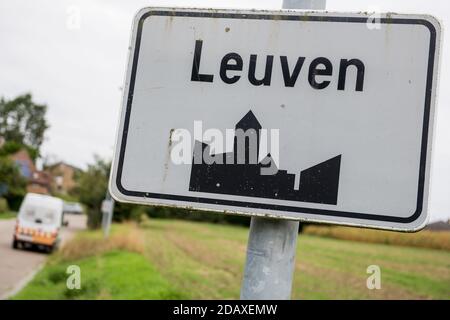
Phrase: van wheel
x=15 y=244
x=49 y=249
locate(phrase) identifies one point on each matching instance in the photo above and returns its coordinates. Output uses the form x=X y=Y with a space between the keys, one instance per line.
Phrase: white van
x=38 y=222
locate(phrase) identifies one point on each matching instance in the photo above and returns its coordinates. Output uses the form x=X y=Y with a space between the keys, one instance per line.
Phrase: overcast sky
x=77 y=66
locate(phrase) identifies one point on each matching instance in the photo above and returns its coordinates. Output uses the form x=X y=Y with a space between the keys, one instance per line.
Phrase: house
x=40 y=183
x=37 y=181
x=63 y=176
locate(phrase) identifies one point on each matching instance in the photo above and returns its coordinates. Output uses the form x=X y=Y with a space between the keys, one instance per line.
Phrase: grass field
x=422 y=239
x=8 y=215
x=178 y=259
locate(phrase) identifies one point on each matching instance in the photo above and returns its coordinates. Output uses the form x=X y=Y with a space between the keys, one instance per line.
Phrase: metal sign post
x=272 y=243
x=270 y=259
x=107 y=213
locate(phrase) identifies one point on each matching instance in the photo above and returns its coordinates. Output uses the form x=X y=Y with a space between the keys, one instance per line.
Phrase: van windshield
x=39 y=215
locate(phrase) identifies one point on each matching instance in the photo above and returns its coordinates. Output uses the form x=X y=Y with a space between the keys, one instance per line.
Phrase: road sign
x=299 y=115
x=107 y=205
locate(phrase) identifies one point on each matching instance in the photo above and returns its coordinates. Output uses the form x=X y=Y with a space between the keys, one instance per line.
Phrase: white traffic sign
x=299 y=115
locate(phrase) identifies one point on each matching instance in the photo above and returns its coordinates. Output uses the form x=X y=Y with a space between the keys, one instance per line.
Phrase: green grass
x=112 y=275
x=180 y=259
x=8 y=215
x=208 y=261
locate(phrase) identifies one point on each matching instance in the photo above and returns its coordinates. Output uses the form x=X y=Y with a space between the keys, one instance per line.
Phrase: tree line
x=22 y=126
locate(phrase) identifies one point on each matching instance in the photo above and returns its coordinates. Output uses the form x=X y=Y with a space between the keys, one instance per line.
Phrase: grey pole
x=109 y=219
x=107 y=215
x=270 y=259
x=272 y=243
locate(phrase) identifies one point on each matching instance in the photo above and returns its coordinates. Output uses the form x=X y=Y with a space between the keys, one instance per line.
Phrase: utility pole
x=272 y=243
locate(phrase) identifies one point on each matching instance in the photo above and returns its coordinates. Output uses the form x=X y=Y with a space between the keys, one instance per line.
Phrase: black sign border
x=284 y=208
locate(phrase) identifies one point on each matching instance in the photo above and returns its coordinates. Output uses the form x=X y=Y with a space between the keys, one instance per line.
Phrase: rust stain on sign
x=169 y=149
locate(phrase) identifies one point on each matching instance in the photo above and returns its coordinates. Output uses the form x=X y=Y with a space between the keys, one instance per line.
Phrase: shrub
x=81 y=247
x=3 y=205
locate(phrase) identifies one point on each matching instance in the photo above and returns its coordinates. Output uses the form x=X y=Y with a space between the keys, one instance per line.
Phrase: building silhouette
x=318 y=184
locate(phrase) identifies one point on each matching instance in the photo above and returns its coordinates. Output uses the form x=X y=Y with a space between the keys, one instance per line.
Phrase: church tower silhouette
x=250 y=128
x=318 y=184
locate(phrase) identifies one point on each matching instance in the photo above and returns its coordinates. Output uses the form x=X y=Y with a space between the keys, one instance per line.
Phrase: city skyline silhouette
x=318 y=184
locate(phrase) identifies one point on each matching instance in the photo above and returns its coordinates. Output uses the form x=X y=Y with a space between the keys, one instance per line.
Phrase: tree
x=12 y=184
x=23 y=121
x=91 y=189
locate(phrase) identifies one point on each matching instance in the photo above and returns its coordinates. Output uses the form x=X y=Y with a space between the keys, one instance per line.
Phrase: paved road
x=18 y=266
